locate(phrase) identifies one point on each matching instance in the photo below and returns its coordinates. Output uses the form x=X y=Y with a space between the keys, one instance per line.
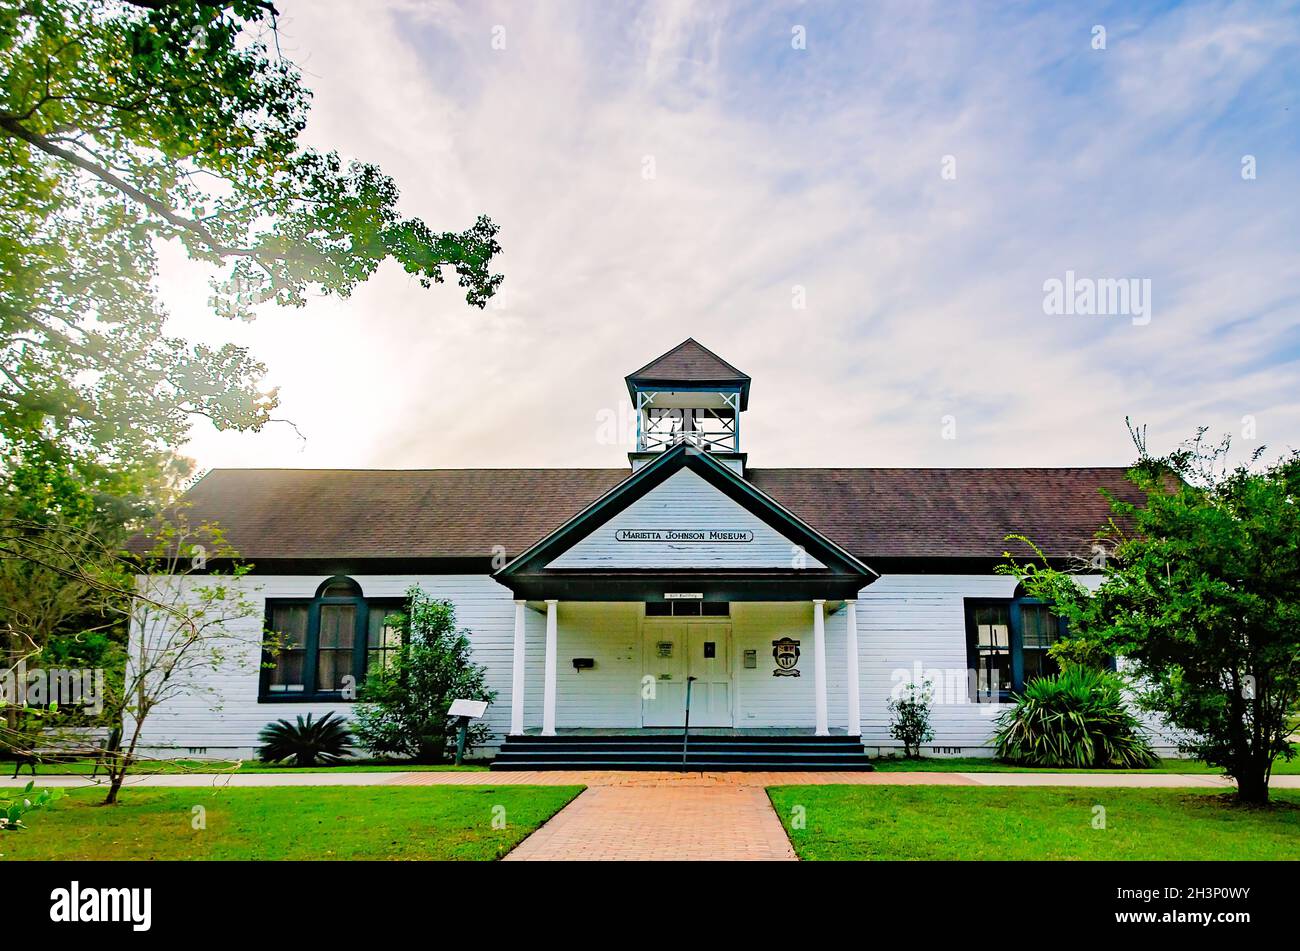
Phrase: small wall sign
x=706 y=535
x=683 y=595
x=786 y=654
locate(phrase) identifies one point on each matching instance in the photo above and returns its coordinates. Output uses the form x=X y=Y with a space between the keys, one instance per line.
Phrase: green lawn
x=985 y=764
x=934 y=822
x=167 y=766
x=429 y=822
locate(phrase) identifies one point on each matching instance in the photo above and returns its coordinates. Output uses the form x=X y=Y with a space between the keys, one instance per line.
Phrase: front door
x=676 y=649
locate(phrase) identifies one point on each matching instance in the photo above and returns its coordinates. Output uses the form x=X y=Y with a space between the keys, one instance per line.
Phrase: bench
x=30 y=759
x=102 y=755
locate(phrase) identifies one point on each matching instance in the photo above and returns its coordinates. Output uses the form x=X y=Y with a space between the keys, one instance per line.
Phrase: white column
x=548 y=690
x=851 y=669
x=517 y=682
x=819 y=664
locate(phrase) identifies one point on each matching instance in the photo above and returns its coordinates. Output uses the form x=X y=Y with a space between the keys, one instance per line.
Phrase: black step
x=632 y=738
x=693 y=766
x=666 y=756
x=664 y=751
x=676 y=745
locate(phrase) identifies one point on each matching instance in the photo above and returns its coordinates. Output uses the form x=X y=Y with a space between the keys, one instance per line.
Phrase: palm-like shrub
x=305 y=743
x=1075 y=719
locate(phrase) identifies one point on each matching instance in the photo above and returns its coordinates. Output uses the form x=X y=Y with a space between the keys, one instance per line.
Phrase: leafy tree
x=188 y=609
x=55 y=584
x=1202 y=596
x=404 y=705
x=124 y=123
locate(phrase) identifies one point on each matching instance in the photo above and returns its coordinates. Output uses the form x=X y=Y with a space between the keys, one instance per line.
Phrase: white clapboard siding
x=685 y=501
x=219 y=714
x=914 y=625
x=908 y=626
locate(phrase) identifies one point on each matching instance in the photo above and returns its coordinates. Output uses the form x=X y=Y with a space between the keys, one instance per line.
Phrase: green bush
x=909 y=716
x=403 y=713
x=1076 y=719
x=305 y=743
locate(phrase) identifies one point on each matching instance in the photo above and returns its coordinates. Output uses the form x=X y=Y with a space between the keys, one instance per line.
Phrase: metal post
x=686 y=728
x=460 y=740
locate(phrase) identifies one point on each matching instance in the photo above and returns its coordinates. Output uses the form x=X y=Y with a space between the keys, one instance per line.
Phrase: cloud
x=680 y=169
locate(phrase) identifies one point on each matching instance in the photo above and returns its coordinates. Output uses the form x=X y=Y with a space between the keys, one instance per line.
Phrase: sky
x=861 y=205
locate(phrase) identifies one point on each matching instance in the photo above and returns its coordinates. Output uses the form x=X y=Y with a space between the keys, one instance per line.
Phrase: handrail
x=686 y=728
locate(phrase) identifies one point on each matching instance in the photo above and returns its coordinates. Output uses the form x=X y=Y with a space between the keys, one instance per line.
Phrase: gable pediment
x=684 y=514
x=684 y=523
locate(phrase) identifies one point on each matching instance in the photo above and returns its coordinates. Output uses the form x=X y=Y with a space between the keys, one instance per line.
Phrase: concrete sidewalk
x=654 y=779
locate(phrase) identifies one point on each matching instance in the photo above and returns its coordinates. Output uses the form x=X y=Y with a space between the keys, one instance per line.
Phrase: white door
x=676 y=650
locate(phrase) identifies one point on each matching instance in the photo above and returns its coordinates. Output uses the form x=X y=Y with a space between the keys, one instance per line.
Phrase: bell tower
x=688 y=395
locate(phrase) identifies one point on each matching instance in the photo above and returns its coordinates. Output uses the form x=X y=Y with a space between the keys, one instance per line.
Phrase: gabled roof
x=690 y=364
x=879 y=515
x=722 y=477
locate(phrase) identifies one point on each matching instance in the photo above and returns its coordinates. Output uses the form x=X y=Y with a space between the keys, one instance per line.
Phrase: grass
x=168 y=766
x=985 y=764
x=430 y=822
x=972 y=823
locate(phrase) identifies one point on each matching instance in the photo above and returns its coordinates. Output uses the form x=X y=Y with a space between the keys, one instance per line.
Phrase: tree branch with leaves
x=124 y=124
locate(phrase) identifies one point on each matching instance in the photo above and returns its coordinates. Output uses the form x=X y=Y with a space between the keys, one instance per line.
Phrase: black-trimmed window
x=1006 y=644
x=687 y=608
x=321 y=648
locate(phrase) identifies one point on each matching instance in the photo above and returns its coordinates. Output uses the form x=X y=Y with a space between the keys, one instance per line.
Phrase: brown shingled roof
x=689 y=362
x=463 y=513
x=949 y=513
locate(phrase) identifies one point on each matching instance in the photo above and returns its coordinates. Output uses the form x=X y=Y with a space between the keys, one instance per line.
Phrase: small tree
x=404 y=705
x=186 y=619
x=184 y=615
x=909 y=716
x=1202 y=596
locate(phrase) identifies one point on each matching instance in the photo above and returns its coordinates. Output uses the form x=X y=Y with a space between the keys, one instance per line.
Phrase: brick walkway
x=674 y=822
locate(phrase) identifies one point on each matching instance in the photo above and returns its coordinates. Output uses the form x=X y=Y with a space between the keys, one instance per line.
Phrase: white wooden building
x=799 y=600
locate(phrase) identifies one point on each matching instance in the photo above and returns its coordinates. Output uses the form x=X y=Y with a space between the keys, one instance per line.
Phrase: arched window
x=1006 y=644
x=321 y=648
x=339 y=587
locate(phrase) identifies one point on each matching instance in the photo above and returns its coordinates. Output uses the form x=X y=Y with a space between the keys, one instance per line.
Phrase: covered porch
x=686 y=592
x=749 y=668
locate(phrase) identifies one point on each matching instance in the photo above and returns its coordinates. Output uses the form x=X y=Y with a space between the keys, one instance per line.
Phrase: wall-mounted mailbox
x=584 y=663
x=751 y=660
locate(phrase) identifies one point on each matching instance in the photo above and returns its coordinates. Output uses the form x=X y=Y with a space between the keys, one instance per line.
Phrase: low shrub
x=325 y=741
x=909 y=716
x=1076 y=719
